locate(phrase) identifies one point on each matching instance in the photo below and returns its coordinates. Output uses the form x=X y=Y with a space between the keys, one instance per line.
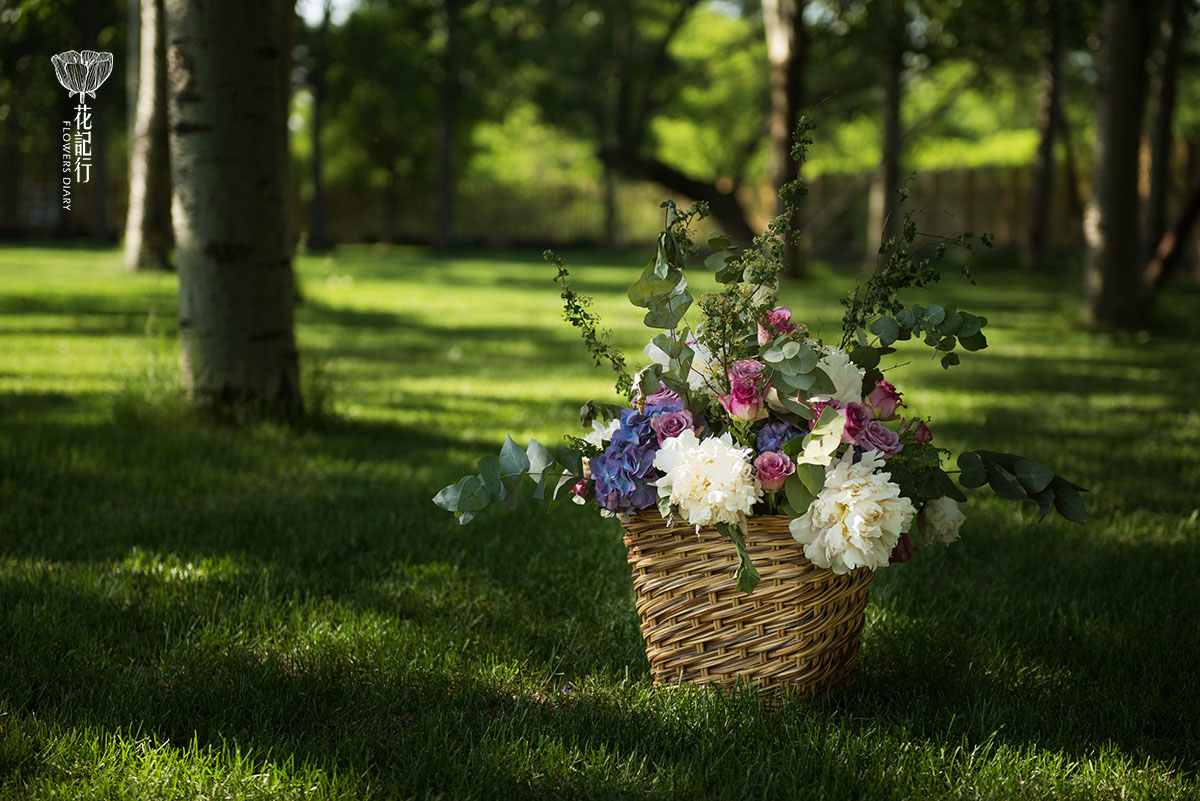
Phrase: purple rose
x=672 y=424
x=820 y=406
x=884 y=400
x=772 y=470
x=747 y=370
x=775 y=322
x=858 y=417
x=877 y=436
x=665 y=400
x=744 y=402
x=774 y=436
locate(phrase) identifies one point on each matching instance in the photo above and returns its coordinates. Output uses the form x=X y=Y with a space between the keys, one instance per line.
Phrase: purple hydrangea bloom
x=774 y=436
x=623 y=471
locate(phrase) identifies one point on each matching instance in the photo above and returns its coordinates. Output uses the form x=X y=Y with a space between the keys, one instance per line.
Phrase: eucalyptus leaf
x=1005 y=484
x=1034 y=476
x=976 y=341
x=1070 y=505
x=747 y=576
x=886 y=328
x=812 y=477
x=490 y=472
x=667 y=312
x=718 y=241
x=798 y=495
x=513 y=459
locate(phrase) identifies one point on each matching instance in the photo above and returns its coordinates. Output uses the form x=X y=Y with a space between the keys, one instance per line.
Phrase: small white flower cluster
x=710 y=481
x=857 y=518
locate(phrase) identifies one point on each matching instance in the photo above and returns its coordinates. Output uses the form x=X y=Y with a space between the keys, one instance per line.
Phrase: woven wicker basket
x=800 y=629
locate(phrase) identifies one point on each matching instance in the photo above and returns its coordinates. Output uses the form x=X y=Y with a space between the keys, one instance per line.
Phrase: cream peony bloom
x=940 y=520
x=847 y=377
x=710 y=481
x=857 y=518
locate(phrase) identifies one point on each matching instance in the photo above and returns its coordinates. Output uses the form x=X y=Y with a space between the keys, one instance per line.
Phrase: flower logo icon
x=82 y=73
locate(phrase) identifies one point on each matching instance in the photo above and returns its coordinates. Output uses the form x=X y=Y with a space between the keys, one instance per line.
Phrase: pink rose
x=877 y=436
x=884 y=399
x=904 y=550
x=672 y=424
x=920 y=431
x=857 y=419
x=746 y=370
x=775 y=322
x=744 y=402
x=772 y=470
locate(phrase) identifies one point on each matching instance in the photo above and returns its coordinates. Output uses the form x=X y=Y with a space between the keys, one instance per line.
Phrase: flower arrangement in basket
x=760 y=473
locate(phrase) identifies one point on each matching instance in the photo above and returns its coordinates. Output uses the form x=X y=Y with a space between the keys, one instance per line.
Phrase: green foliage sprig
x=575 y=311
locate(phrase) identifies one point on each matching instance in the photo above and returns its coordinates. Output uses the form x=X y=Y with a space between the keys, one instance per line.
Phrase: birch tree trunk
x=148 y=221
x=787 y=51
x=1113 y=275
x=1042 y=190
x=228 y=64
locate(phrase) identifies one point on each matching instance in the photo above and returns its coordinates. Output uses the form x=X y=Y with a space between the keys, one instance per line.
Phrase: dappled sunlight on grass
x=267 y=611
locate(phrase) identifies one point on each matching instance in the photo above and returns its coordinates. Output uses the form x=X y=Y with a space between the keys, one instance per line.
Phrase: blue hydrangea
x=774 y=436
x=623 y=471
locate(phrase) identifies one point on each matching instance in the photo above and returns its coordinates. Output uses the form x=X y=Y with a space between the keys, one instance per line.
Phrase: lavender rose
x=772 y=470
x=672 y=424
x=884 y=400
x=775 y=322
x=746 y=370
x=665 y=400
x=877 y=436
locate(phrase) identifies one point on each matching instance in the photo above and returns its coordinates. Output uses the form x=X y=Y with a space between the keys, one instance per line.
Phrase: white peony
x=710 y=481
x=940 y=520
x=857 y=518
x=847 y=377
x=705 y=373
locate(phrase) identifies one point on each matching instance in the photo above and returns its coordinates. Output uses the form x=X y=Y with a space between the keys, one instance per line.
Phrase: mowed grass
x=193 y=611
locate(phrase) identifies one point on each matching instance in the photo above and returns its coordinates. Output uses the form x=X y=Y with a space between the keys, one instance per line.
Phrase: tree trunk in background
x=133 y=46
x=1113 y=277
x=787 y=51
x=1168 y=254
x=1173 y=31
x=1071 y=178
x=228 y=68
x=447 y=111
x=1037 y=246
x=884 y=217
x=148 y=222
x=317 y=240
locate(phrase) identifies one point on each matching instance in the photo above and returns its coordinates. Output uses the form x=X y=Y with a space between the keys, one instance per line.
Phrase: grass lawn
x=191 y=611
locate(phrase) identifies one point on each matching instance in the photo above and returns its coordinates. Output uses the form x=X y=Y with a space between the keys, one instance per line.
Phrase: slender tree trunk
x=10 y=179
x=1075 y=208
x=148 y=221
x=228 y=64
x=1172 y=32
x=447 y=112
x=317 y=239
x=1168 y=255
x=787 y=51
x=884 y=218
x=1042 y=190
x=1113 y=277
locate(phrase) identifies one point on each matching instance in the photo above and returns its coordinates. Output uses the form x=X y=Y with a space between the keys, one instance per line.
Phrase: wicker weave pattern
x=799 y=629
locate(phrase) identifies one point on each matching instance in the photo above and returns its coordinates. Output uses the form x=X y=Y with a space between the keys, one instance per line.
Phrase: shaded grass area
x=192 y=611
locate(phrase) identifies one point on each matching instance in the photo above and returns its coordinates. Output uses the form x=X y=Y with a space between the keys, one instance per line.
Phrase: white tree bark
x=228 y=72
x=148 y=221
